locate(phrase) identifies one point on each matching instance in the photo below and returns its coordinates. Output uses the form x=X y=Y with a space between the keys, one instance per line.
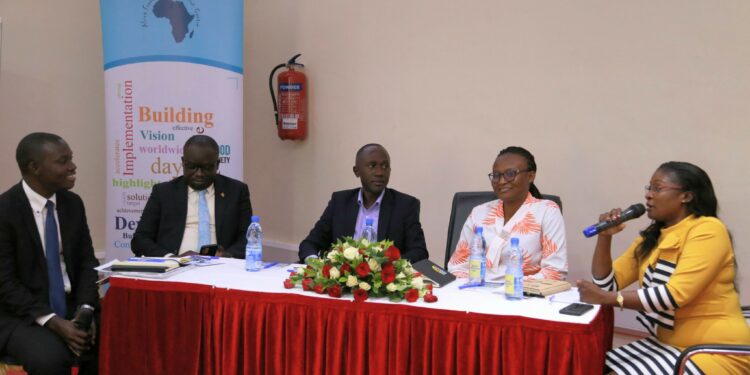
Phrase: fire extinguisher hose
x=273 y=94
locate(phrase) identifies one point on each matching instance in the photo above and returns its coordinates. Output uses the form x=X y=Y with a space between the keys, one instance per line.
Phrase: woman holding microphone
x=685 y=268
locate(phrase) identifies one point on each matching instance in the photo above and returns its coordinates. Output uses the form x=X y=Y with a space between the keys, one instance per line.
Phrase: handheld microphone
x=633 y=212
x=83 y=319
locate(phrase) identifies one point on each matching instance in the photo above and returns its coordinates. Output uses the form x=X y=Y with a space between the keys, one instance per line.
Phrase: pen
x=471 y=285
x=269 y=265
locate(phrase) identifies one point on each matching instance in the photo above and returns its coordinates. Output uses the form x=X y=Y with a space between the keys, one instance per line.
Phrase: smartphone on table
x=209 y=250
x=576 y=309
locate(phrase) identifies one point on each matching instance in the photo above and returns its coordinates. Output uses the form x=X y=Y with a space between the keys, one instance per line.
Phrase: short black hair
x=363 y=148
x=202 y=140
x=30 y=148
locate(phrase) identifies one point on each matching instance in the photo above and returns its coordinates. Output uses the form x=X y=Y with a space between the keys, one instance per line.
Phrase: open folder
x=156 y=265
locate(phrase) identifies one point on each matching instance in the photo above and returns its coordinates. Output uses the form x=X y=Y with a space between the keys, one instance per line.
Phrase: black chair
x=716 y=349
x=463 y=203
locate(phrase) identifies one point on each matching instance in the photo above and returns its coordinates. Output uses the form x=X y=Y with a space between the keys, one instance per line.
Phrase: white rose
x=352 y=281
x=351 y=253
x=332 y=256
x=391 y=287
x=377 y=249
x=408 y=270
x=334 y=273
x=417 y=282
x=364 y=286
x=365 y=241
x=400 y=275
x=374 y=266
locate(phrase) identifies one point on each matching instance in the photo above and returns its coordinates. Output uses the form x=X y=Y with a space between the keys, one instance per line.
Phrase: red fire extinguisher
x=291 y=111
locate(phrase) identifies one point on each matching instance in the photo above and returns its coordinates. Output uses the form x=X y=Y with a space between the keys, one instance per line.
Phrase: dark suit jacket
x=24 y=294
x=398 y=222
x=162 y=223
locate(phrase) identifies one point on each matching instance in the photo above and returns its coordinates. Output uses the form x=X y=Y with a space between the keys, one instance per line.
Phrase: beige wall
x=600 y=92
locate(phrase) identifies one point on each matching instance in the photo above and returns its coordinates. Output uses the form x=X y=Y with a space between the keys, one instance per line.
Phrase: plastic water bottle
x=368 y=232
x=514 y=272
x=477 y=263
x=254 y=247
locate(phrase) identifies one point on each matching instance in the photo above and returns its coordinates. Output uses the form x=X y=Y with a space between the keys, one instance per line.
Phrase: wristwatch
x=620 y=300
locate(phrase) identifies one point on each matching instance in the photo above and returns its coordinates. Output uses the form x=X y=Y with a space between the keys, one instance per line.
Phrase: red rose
x=388 y=273
x=319 y=288
x=392 y=253
x=327 y=271
x=412 y=295
x=335 y=291
x=307 y=284
x=292 y=274
x=430 y=298
x=362 y=251
x=346 y=268
x=288 y=283
x=363 y=269
x=360 y=295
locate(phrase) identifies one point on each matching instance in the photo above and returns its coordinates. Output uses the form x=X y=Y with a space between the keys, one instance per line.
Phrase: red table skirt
x=176 y=328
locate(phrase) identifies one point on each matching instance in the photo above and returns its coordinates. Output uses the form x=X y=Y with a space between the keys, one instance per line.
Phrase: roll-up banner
x=172 y=69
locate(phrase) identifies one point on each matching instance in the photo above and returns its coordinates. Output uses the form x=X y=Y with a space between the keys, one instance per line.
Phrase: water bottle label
x=475 y=269
x=509 y=285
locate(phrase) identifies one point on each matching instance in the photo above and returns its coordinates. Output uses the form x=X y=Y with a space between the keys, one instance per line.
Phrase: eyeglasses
x=206 y=168
x=659 y=189
x=509 y=174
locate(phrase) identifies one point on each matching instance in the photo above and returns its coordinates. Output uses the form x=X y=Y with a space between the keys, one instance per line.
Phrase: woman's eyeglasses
x=660 y=188
x=508 y=174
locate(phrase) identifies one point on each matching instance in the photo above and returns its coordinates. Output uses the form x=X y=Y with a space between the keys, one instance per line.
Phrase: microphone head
x=635 y=211
x=83 y=319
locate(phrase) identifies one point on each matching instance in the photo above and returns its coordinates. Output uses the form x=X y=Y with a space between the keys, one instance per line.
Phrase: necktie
x=54 y=270
x=204 y=232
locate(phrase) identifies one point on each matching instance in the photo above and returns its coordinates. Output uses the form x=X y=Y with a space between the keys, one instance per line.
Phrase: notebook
x=433 y=273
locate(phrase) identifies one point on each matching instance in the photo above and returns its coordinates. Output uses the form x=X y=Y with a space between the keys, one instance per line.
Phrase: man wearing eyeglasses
x=395 y=215
x=196 y=209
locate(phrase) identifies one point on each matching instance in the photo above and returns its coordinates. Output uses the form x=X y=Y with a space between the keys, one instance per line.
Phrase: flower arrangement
x=365 y=269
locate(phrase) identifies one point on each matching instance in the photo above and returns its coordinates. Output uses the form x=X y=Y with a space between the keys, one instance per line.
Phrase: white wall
x=600 y=92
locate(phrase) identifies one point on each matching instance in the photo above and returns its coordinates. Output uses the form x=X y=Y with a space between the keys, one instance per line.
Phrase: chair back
x=463 y=203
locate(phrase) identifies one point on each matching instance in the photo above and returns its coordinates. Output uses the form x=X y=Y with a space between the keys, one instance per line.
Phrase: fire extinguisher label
x=289 y=122
x=290 y=87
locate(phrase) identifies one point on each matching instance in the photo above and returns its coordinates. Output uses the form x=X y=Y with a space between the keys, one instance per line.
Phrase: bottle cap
x=479 y=230
x=368 y=221
x=255 y=219
x=514 y=241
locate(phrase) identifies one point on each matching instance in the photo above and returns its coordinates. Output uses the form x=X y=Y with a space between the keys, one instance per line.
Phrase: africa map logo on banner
x=182 y=21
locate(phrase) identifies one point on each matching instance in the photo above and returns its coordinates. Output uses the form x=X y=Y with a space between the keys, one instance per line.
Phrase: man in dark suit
x=201 y=207
x=47 y=276
x=395 y=215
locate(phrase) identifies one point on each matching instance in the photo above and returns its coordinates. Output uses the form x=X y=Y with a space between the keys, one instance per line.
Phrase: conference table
x=222 y=319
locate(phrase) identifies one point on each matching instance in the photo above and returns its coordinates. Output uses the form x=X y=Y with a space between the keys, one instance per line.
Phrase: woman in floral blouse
x=519 y=212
